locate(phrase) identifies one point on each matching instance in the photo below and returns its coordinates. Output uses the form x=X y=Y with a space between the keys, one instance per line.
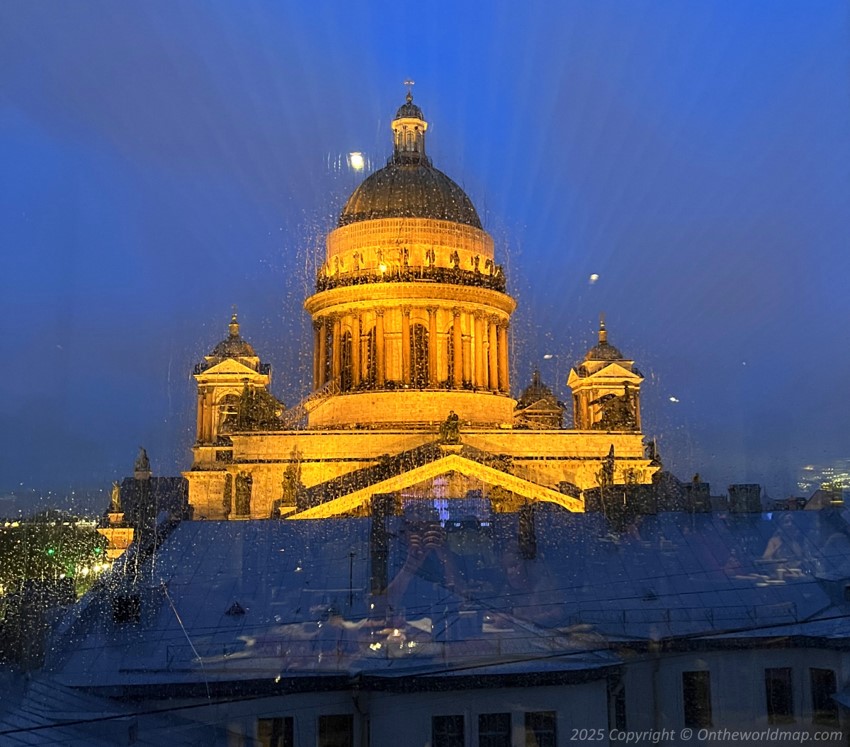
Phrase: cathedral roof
x=409 y=186
x=409 y=190
x=233 y=346
x=603 y=351
x=409 y=110
x=535 y=391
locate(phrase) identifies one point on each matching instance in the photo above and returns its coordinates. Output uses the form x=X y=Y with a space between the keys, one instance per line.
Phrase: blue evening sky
x=163 y=161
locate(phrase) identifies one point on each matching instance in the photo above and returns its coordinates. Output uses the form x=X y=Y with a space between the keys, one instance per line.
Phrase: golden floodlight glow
x=382 y=267
x=356 y=161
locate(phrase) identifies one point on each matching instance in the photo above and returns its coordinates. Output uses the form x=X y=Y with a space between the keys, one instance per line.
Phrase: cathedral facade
x=411 y=395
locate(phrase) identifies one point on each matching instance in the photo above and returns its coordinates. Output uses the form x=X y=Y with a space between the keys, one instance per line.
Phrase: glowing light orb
x=674 y=399
x=593 y=278
x=356 y=161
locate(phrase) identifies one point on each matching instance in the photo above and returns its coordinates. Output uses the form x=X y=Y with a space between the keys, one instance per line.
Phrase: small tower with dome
x=231 y=368
x=606 y=389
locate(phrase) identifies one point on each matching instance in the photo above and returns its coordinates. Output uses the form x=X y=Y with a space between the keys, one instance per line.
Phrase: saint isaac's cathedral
x=412 y=396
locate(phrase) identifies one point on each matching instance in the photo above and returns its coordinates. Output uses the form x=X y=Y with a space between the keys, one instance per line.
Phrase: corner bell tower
x=606 y=389
x=222 y=378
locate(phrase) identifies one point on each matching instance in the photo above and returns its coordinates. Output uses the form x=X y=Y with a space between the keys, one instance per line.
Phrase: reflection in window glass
x=824 y=708
x=447 y=731
x=276 y=732
x=494 y=730
x=696 y=694
x=540 y=729
x=617 y=705
x=336 y=731
x=779 y=694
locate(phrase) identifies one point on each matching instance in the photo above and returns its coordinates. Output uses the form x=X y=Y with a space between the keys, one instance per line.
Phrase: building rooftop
x=258 y=600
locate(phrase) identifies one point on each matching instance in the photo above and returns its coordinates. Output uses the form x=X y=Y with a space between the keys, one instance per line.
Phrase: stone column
x=432 y=347
x=457 y=348
x=323 y=353
x=317 y=341
x=478 y=342
x=504 y=370
x=467 y=354
x=636 y=395
x=405 y=345
x=492 y=354
x=355 y=350
x=380 y=371
x=199 y=429
x=336 y=362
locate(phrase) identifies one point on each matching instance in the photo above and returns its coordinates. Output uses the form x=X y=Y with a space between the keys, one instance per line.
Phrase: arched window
x=419 y=355
x=451 y=357
x=244 y=484
x=228 y=411
x=346 y=376
x=368 y=359
x=327 y=374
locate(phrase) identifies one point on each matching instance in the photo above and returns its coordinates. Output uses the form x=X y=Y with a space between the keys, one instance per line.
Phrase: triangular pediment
x=613 y=370
x=450 y=465
x=229 y=367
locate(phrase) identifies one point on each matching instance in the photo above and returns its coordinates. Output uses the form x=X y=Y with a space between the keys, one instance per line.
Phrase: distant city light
x=674 y=399
x=594 y=277
x=356 y=161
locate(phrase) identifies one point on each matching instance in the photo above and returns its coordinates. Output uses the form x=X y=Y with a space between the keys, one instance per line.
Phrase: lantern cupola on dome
x=409 y=186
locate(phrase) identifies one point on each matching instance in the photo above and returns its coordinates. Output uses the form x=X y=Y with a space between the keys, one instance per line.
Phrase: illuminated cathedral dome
x=409 y=186
x=409 y=190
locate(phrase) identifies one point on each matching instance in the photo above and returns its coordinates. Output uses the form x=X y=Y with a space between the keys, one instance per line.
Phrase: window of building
x=824 y=708
x=419 y=355
x=228 y=410
x=541 y=729
x=347 y=371
x=617 y=705
x=336 y=731
x=276 y=732
x=779 y=695
x=494 y=730
x=369 y=360
x=696 y=696
x=244 y=484
x=447 y=731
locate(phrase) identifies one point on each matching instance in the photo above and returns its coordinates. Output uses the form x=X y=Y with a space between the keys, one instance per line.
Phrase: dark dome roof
x=602 y=351
x=233 y=346
x=409 y=110
x=409 y=190
x=535 y=391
